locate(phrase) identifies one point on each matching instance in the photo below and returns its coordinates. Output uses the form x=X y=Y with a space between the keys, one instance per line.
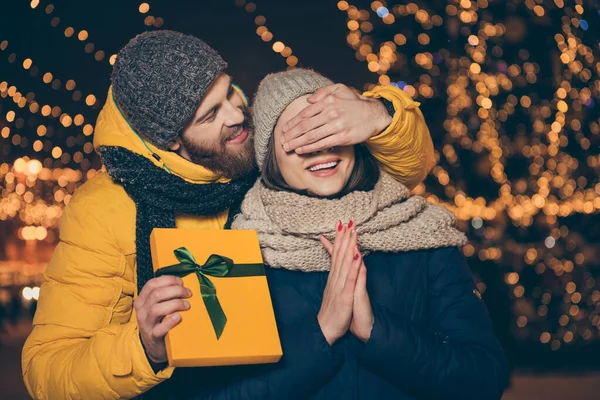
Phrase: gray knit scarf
x=387 y=219
x=159 y=196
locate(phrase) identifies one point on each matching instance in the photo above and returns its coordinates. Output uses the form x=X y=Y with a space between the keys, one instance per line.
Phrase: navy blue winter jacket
x=432 y=339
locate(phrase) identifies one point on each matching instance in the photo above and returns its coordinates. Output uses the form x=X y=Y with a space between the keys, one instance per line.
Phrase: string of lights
x=267 y=36
x=150 y=20
x=82 y=35
x=32 y=106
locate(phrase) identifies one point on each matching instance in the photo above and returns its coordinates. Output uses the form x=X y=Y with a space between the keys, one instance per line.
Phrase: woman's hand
x=335 y=315
x=362 y=315
x=362 y=312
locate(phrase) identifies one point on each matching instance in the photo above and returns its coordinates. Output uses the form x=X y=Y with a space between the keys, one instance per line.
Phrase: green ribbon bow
x=216 y=265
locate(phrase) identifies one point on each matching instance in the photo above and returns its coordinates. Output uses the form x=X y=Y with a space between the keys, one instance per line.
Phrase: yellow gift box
x=228 y=266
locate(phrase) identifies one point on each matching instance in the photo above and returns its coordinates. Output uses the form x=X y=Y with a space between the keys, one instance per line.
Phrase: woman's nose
x=329 y=150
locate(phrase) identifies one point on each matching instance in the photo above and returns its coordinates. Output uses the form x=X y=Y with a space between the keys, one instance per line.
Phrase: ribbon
x=216 y=265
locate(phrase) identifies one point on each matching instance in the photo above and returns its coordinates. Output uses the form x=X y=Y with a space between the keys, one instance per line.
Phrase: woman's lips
x=324 y=173
x=239 y=139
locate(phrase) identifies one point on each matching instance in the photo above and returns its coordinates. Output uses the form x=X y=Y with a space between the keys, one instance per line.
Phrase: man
x=177 y=146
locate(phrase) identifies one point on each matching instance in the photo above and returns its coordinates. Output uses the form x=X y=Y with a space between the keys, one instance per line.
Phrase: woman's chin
x=331 y=191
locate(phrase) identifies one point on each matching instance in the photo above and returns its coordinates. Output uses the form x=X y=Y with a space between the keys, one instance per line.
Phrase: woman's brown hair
x=364 y=176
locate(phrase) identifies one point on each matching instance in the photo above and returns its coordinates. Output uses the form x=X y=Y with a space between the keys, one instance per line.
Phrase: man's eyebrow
x=212 y=110
x=215 y=108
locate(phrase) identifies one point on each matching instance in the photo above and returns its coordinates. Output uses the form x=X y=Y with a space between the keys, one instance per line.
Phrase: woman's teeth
x=318 y=167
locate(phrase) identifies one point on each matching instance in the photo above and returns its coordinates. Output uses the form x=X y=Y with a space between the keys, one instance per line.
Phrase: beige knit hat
x=274 y=94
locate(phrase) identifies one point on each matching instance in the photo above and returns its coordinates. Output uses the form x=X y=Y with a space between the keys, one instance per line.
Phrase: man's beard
x=220 y=158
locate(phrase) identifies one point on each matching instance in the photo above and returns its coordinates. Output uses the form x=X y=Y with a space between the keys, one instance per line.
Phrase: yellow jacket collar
x=112 y=129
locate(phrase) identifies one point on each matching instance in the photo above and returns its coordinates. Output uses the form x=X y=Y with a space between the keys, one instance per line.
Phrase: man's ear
x=176 y=145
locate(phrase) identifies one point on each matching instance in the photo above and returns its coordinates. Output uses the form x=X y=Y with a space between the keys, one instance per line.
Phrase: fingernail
x=356 y=256
x=179 y=280
x=358 y=248
x=351 y=224
x=340 y=227
x=176 y=316
x=189 y=292
x=286 y=146
x=186 y=304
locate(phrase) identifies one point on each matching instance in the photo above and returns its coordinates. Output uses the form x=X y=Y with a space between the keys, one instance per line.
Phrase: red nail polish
x=351 y=224
x=340 y=227
x=356 y=256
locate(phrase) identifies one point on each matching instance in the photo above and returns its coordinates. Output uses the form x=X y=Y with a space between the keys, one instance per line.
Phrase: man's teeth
x=324 y=166
x=235 y=136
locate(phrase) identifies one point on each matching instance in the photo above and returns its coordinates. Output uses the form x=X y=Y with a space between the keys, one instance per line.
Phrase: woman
x=372 y=296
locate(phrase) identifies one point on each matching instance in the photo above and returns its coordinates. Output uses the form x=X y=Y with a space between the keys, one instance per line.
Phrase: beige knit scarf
x=387 y=219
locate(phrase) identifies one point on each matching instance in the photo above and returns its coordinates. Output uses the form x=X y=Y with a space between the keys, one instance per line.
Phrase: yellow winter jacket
x=85 y=342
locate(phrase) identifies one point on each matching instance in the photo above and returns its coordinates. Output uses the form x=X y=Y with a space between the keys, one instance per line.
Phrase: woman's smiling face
x=324 y=173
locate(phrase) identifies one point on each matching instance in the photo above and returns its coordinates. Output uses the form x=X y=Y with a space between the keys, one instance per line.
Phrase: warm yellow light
x=27 y=63
x=562 y=106
x=56 y=152
x=34 y=167
x=292 y=61
x=66 y=120
x=83 y=35
x=278 y=47
x=79 y=120
x=286 y=52
x=486 y=103
x=538 y=10
x=400 y=39
x=90 y=100
x=88 y=130
x=260 y=20
x=343 y=5
x=423 y=38
x=144 y=8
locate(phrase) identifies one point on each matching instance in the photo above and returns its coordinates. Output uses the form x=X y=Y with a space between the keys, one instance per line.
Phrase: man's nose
x=235 y=116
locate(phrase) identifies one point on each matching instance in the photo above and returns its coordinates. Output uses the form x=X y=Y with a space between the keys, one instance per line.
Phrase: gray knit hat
x=160 y=78
x=274 y=94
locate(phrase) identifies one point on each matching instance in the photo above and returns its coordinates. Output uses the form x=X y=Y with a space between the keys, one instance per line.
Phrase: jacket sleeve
x=405 y=149
x=76 y=350
x=314 y=364
x=456 y=357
